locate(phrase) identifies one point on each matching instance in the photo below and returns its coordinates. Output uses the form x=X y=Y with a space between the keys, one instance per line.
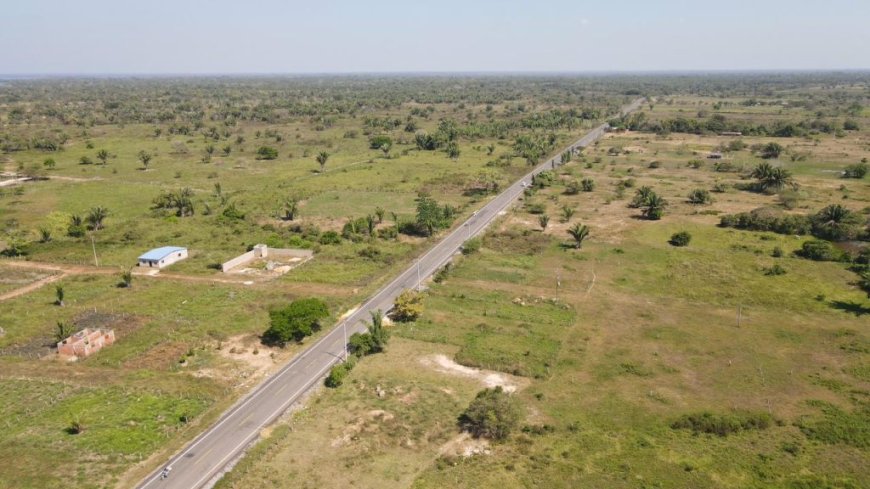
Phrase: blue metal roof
x=158 y=254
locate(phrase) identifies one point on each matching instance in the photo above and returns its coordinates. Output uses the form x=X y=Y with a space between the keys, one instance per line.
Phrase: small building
x=715 y=155
x=162 y=257
x=86 y=342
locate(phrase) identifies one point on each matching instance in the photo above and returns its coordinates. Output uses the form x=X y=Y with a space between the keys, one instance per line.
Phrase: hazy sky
x=272 y=36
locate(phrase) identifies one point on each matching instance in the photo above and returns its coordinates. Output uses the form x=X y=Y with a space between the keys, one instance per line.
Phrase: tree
x=49 y=163
x=145 y=157
x=641 y=196
x=103 y=156
x=431 y=216
x=322 y=158
x=654 y=207
x=567 y=213
x=267 y=153
x=291 y=208
x=858 y=171
x=543 y=221
x=294 y=322
x=579 y=232
x=127 y=278
x=492 y=414
x=771 y=151
x=374 y=340
x=59 y=295
x=408 y=306
x=772 y=179
x=96 y=216
x=836 y=223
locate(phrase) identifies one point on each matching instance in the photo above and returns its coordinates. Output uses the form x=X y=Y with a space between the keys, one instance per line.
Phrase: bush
x=722 y=425
x=471 y=246
x=856 y=171
x=338 y=373
x=700 y=196
x=267 y=153
x=819 y=250
x=681 y=238
x=768 y=219
x=588 y=184
x=775 y=270
x=492 y=414
x=296 y=321
x=330 y=238
x=378 y=142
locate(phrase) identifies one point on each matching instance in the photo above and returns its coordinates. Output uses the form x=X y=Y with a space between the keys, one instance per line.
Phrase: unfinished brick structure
x=86 y=342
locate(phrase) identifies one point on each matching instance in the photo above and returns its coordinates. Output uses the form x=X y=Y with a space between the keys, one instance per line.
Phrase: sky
x=353 y=36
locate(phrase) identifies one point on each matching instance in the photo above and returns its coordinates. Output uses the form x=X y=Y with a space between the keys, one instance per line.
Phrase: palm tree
x=543 y=220
x=63 y=331
x=836 y=223
x=370 y=224
x=772 y=179
x=567 y=213
x=96 y=216
x=322 y=158
x=654 y=207
x=641 y=196
x=579 y=232
x=291 y=208
x=380 y=212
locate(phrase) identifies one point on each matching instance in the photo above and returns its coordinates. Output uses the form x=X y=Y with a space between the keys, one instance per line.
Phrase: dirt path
x=64 y=270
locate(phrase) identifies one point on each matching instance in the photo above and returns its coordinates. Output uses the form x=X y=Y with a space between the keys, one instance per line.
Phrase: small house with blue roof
x=162 y=257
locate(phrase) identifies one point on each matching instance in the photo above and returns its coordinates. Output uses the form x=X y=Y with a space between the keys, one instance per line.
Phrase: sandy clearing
x=442 y=363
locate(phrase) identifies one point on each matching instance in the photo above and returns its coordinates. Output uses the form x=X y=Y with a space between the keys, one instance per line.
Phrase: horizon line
x=432 y=73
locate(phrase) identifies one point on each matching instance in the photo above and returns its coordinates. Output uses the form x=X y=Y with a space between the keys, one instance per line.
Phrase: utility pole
x=739 y=314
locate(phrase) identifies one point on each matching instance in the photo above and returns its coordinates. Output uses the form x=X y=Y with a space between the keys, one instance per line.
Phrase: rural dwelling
x=86 y=342
x=162 y=257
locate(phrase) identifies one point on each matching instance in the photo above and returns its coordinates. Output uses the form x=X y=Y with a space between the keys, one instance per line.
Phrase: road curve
x=205 y=457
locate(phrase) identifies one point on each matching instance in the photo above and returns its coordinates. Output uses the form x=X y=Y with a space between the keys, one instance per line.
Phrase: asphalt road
x=204 y=458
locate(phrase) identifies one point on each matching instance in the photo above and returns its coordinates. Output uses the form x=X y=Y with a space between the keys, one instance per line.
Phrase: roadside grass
x=369 y=441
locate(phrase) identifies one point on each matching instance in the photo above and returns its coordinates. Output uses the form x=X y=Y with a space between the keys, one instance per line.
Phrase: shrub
x=267 y=153
x=330 y=238
x=588 y=184
x=681 y=238
x=838 y=426
x=338 y=373
x=722 y=425
x=492 y=414
x=836 y=223
x=819 y=250
x=378 y=142
x=777 y=252
x=296 y=321
x=856 y=171
x=471 y=246
x=700 y=196
x=775 y=270
x=768 y=219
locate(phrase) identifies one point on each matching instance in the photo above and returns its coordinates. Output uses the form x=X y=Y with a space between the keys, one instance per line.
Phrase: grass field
x=618 y=341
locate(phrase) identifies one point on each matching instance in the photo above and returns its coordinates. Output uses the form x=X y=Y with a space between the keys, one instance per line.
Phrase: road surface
x=198 y=463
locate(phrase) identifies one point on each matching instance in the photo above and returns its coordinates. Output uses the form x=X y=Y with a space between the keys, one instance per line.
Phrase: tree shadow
x=851 y=307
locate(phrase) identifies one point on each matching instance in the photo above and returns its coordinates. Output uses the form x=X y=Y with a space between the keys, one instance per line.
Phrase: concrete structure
x=162 y=257
x=86 y=342
x=260 y=252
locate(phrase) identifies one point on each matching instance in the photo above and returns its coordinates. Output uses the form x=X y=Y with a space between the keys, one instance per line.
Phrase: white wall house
x=162 y=257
